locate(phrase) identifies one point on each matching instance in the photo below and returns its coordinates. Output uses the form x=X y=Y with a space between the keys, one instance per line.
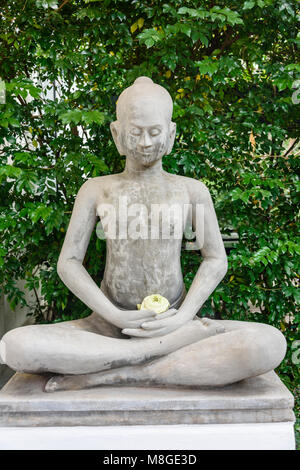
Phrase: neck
x=136 y=169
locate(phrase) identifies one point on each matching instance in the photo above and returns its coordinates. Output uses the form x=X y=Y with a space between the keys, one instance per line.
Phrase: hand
x=131 y=318
x=162 y=324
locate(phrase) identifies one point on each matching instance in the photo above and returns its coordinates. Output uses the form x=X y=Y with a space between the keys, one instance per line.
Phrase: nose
x=145 y=141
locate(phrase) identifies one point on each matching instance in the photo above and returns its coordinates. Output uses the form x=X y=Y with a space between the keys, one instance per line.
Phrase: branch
x=63 y=4
x=291 y=147
x=38 y=301
x=21 y=100
x=228 y=42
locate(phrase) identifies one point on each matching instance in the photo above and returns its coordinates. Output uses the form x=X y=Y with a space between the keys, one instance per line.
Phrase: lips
x=149 y=157
x=145 y=154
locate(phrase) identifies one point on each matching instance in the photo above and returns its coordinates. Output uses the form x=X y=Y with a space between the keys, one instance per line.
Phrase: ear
x=115 y=131
x=171 y=137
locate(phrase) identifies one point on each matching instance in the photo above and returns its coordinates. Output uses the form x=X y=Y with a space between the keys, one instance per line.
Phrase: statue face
x=145 y=132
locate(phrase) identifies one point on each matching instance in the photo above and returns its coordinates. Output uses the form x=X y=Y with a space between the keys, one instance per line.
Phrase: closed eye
x=155 y=131
x=135 y=131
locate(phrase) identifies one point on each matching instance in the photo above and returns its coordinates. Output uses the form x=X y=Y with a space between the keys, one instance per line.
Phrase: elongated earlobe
x=171 y=137
x=115 y=132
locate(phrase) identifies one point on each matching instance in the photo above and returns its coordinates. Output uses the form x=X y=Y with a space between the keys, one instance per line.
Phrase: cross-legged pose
x=144 y=211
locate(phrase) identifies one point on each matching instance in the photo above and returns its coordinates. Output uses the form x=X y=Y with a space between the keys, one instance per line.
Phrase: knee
x=266 y=346
x=277 y=344
x=17 y=349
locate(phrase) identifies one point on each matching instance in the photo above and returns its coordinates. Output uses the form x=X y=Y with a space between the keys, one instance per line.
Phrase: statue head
x=144 y=130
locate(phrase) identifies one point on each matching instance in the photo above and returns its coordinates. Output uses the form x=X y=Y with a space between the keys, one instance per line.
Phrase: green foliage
x=231 y=68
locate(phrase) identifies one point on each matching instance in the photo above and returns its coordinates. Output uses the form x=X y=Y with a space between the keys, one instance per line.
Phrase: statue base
x=154 y=418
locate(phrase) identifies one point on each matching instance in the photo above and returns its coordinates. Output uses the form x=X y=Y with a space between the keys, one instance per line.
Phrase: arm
x=69 y=266
x=214 y=265
x=75 y=276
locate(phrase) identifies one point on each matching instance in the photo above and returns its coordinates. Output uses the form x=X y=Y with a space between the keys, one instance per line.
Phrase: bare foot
x=53 y=384
x=68 y=382
x=79 y=382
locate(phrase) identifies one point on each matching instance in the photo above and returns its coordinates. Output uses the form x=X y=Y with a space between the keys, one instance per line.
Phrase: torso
x=138 y=265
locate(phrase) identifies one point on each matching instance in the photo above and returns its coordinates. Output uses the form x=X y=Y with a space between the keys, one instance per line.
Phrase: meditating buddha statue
x=119 y=343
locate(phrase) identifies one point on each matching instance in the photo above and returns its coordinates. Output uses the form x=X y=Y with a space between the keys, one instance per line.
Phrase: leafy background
x=232 y=69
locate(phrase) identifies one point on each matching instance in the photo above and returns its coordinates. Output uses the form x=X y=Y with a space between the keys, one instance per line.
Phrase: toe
x=51 y=385
x=206 y=321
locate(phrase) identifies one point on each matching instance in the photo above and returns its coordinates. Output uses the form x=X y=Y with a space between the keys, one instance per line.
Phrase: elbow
x=218 y=267
x=225 y=266
x=222 y=267
x=60 y=268
x=66 y=266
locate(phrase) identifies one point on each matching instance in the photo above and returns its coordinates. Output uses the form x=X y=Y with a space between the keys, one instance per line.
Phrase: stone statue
x=118 y=343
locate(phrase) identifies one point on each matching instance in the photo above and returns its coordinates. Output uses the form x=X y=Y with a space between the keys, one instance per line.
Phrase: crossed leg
x=90 y=345
x=209 y=353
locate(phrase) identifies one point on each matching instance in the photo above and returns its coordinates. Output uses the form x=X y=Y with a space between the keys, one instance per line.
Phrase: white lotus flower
x=155 y=302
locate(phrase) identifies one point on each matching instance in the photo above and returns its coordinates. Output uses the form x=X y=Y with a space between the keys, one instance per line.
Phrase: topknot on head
x=143 y=88
x=141 y=80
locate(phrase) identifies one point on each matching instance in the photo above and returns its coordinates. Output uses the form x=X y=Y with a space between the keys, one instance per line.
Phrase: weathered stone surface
x=144 y=211
x=262 y=399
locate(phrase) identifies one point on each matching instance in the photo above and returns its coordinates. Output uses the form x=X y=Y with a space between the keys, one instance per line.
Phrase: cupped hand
x=162 y=324
x=131 y=318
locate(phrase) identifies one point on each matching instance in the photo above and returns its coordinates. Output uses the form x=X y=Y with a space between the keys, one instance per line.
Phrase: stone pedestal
x=149 y=418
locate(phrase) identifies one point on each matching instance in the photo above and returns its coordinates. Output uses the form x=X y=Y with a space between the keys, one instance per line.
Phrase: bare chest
x=144 y=210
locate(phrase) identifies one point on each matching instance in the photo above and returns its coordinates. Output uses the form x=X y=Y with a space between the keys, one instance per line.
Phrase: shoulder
x=198 y=191
x=94 y=186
